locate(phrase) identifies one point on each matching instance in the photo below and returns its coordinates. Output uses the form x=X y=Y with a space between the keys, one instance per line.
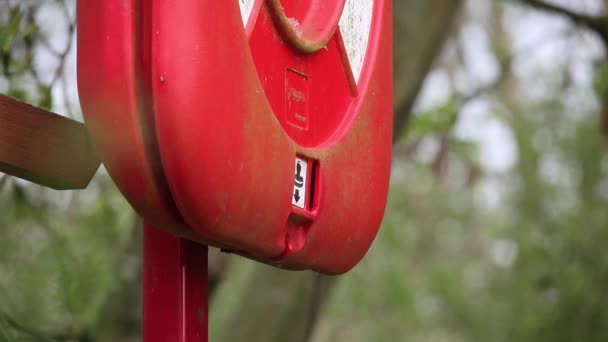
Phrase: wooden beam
x=44 y=147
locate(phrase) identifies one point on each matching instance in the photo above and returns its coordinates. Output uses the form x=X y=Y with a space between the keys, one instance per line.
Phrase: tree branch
x=414 y=53
x=597 y=24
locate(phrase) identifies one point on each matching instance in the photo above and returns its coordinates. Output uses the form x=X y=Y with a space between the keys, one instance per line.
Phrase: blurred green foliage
x=62 y=254
x=449 y=266
x=436 y=120
x=517 y=255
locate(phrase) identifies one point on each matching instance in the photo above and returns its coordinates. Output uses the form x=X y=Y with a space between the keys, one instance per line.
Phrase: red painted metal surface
x=114 y=81
x=113 y=66
x=245 y=146
x=175 y=288
x=199 y=121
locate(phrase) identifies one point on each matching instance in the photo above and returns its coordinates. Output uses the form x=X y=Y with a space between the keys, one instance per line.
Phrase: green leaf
x=46 y=98
x=435 y=120
x=18 y=93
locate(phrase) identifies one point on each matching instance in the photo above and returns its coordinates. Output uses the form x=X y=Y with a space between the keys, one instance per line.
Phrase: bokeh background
x=497 y=222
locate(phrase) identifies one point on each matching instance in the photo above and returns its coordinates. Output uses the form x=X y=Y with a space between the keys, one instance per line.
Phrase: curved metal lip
x=315 y=30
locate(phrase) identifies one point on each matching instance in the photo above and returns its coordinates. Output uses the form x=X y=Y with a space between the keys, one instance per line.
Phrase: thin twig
x=597 y=24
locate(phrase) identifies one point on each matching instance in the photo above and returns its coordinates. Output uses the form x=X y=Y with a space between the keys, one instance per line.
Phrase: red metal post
x=175 y=288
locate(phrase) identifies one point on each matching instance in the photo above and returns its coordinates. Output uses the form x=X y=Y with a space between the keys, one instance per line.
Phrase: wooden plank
x=44 y=147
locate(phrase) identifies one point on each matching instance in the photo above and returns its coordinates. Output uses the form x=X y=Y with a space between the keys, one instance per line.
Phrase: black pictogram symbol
x=299 y=182
x=299 y=179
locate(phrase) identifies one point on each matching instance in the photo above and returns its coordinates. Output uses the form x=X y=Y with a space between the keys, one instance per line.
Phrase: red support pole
x=175 y=288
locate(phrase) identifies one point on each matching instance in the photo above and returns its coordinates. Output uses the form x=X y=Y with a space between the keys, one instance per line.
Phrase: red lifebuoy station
x=256 y=133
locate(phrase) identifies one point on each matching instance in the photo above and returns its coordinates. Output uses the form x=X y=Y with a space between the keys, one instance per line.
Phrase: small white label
x=246 y=8
x=355 y=26
x=299 y=186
